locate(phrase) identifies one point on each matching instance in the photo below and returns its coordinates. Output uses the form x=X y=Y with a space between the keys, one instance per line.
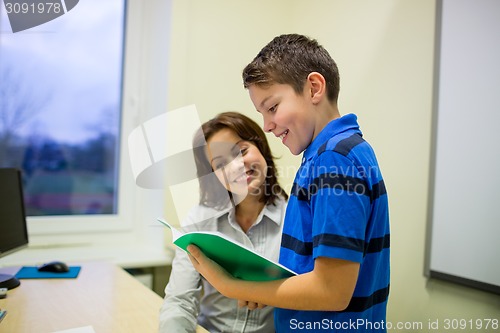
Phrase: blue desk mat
x=31 y=272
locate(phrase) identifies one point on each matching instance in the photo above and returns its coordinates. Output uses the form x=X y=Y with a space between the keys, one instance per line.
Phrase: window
x=60 y=109
x=65 y=116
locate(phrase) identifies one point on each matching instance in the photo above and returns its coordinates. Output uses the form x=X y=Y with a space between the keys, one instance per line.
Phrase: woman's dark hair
x=247 y=130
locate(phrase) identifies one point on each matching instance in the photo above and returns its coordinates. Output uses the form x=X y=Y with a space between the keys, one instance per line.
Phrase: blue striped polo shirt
x=339 y=209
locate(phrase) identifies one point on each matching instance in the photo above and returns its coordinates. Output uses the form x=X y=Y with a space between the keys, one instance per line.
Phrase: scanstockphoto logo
x=26 y=14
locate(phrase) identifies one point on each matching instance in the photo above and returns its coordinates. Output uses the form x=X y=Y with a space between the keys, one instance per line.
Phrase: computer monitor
x=13 y=229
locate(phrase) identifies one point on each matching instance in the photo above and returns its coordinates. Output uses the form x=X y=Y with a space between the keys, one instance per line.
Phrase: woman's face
x=238 y=164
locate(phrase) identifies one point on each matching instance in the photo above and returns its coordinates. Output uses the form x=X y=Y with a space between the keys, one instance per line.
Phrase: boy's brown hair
x=289 y=59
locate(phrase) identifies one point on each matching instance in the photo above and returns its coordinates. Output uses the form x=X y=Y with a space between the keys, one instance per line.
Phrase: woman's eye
x=243 y=151
x=220 y=165
x=273 y=108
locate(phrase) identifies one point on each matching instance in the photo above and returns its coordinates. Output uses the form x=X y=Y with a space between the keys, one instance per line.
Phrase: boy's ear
x=317 y=84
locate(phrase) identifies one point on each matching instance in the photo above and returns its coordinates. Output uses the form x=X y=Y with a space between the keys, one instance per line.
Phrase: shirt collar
x=334 y=127
x=271 y=212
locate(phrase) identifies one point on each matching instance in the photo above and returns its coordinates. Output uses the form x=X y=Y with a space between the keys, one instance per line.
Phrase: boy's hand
x=217 y=276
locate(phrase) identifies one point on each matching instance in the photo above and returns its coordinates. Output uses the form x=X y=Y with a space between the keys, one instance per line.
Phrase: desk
x=103 y=296
x=131 y=255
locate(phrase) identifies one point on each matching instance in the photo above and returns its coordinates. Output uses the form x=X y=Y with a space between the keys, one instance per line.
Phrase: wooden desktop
x=103 y=296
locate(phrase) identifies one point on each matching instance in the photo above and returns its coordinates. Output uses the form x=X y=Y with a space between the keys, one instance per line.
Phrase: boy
x=336 y=232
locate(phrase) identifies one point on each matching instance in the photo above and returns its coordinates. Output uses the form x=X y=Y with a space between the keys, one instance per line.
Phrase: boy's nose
x=269 y=125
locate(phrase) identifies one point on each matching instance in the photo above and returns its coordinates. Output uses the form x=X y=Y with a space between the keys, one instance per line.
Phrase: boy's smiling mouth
x=283 y=135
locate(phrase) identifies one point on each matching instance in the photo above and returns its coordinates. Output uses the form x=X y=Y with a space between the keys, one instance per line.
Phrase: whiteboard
x=465 y=202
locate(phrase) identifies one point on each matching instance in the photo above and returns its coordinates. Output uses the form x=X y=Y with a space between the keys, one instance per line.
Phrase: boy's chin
x=295 y=150
x=294 y=147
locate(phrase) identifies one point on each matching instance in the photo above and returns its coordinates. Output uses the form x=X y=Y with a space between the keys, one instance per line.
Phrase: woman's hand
x=250 y=305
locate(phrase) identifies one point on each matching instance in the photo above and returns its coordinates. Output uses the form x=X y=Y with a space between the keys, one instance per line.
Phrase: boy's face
x=288 y=115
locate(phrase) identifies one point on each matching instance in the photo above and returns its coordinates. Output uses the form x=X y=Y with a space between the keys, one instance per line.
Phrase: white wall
x=385 y=52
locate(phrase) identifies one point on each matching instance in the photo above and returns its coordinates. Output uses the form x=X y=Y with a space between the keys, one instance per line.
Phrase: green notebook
x=233 y=256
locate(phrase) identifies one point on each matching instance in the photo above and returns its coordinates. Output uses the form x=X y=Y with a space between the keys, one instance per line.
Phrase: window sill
x=127 y=256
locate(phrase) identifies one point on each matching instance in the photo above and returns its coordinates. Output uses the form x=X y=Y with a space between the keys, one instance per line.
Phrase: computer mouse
x=54 y=267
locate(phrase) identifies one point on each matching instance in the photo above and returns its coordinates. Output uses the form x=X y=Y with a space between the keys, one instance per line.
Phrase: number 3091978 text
x=33 y=8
